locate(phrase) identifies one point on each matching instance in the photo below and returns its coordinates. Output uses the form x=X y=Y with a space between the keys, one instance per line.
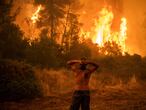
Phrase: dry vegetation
x=107 y=93
x=119 y=83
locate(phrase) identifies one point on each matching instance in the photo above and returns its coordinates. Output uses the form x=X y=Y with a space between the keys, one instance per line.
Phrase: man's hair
x=83 y=66
x=83 y=58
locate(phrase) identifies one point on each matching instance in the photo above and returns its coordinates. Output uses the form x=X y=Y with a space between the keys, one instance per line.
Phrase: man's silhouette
x=82 y=70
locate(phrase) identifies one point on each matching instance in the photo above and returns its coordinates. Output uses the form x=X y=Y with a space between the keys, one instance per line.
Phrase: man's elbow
x=96 y=67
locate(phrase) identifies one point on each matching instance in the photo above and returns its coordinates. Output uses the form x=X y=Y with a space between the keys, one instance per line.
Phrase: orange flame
x=103 y=27
x=103 y=32
x=123 y=34
x=35 y=17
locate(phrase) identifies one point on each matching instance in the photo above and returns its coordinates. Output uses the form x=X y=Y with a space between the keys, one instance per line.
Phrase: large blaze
x=103 y=27
x=103 y=30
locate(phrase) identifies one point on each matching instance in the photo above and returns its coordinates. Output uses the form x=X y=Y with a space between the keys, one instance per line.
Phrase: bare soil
x=105 y=99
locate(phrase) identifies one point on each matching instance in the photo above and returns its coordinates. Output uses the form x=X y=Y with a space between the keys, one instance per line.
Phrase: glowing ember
x=35 y=16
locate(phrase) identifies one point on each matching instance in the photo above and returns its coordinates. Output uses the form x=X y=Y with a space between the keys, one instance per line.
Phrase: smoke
x=133 y=10
x=23 y=18
x=89 y=12
x=91 y=9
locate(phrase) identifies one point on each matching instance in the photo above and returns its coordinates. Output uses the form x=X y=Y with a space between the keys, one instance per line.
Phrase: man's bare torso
x=82 y=80
x=82 y=72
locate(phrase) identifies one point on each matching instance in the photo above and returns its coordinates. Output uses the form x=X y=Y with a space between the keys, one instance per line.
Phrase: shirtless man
x=82 y=70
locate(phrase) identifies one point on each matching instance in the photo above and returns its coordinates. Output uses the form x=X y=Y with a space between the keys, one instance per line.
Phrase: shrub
x=17 y=81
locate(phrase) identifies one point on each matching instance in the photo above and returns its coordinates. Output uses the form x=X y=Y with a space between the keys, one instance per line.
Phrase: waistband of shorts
x=86 y=92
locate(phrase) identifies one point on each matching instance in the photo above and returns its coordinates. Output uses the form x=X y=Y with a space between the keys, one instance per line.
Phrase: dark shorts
x=81 y=98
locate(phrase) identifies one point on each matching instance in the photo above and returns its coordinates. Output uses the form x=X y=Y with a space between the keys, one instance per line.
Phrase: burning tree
x=70 y=35
x=117 y=8
x=51 y=15
x=60 y=21
x=35 y=17
x=111 y=48
x=59 y=18
x=105 y=36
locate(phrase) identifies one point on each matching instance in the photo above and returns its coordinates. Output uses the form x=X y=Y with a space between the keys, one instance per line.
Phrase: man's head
x=83 y=64
x=83 y=59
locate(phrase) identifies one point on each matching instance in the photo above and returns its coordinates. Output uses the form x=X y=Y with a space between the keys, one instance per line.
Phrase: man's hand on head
x=71 y=62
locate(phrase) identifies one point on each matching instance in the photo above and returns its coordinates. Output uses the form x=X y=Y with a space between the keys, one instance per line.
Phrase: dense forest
x=19 y=57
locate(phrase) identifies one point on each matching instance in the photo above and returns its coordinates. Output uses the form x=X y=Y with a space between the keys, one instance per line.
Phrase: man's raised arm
x=71 y=62
x=95 y=66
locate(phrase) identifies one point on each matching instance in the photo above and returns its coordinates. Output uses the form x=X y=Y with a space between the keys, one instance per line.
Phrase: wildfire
x=103 y=27
x=35 y=17
x=123 y=34
x=103 y=32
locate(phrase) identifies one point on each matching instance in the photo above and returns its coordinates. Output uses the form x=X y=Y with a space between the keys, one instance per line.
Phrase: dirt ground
x=105 y=99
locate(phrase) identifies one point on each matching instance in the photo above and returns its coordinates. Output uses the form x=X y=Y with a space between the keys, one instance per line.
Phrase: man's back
x=82 y=80
x=82 y=73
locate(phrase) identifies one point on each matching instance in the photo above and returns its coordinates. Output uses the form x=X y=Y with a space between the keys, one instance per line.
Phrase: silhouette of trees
x=51 y=15
x=61 y=21
x=11 y=43
x=47 y=53
x=43 y=52
x=71 y=36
